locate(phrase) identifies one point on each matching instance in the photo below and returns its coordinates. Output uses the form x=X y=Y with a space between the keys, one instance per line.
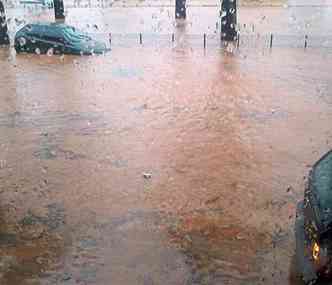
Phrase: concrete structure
x=228 y=15
x=59 y=11
x=180 y=9
x=4 y=39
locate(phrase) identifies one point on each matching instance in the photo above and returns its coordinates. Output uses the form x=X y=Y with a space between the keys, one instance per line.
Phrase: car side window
x=33 y=32
x=51 y=38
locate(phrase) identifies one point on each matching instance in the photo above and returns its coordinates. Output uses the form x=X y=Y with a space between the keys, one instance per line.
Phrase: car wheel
x=43 y=49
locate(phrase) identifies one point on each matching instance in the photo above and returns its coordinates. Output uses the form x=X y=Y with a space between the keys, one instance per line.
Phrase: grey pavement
x=284 y=21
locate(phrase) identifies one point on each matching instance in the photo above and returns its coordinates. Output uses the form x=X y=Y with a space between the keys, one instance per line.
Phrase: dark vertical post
x=110 y=39
x=140 y=38
x=238 y=40
x=271 y=40
x=305 y=41
x=4 y=38
x=59 y=10
x=204 y=40
x=173 y=38
x=228 y=15
x=180 y=9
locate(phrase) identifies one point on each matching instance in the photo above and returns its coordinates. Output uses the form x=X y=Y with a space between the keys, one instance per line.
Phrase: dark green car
x=56 y=38
x=313 y=226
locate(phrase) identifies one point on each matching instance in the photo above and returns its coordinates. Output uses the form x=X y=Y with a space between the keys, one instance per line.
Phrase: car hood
x=90 y=46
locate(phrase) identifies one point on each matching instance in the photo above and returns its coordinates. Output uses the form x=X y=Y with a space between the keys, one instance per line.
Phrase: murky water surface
x=157 y=166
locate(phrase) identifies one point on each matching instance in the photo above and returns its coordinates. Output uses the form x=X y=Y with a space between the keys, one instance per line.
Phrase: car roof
x=37 y=26
x=43 y=28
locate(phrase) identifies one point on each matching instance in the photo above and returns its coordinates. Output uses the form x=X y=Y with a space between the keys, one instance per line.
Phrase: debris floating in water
x=147 y=175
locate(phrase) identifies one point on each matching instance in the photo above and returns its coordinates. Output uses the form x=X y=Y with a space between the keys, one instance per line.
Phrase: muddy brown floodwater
x=157 y=166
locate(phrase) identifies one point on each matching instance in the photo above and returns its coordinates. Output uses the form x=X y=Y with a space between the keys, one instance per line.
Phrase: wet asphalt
x=158 y=164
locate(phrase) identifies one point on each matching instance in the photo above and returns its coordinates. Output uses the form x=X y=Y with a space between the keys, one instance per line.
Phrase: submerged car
x=313 y=225
x=56 y=38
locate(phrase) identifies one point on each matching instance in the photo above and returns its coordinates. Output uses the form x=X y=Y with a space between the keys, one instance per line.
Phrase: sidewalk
x=124 y=20
x=189 y=3
x=195 y=3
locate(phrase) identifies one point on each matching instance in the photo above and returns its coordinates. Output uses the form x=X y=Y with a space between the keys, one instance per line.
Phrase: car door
x=52 y=40
x=33 y=34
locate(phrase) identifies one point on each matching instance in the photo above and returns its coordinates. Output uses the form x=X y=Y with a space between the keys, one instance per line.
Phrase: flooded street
x=161 y=165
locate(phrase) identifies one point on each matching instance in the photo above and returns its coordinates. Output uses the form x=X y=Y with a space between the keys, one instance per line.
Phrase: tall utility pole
x=4 y=38
x=228 y=20
x=180 y=9
x=59 y=10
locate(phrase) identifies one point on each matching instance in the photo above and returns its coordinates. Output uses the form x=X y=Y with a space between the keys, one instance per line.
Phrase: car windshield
x=322 y=181
x=54 y=33
x=73 y=35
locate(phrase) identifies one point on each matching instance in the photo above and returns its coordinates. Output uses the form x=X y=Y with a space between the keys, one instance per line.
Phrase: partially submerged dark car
x=56 y=38
x=313 y=226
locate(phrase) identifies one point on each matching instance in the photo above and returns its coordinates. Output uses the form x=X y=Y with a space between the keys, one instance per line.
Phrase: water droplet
x=22 y=41
x=50 y=52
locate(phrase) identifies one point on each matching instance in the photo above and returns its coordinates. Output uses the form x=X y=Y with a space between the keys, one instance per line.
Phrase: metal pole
x=305 y=41
x=228 y=15
x=4 y=38
x=140 y=38
x=204 y=41
x=110 y=39
x=238 y=40
x=59 y=10
x=180 y=9
x=271 y=40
